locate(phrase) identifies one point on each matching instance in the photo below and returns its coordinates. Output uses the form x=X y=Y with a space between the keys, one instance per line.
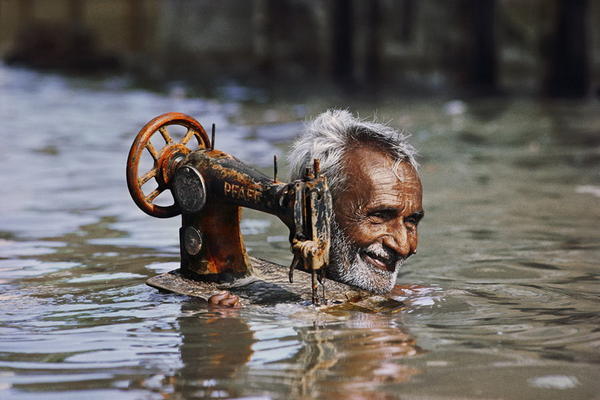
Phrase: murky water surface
x=509 y=253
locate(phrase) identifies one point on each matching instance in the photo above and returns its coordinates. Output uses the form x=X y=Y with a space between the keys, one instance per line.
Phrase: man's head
x=376 y=195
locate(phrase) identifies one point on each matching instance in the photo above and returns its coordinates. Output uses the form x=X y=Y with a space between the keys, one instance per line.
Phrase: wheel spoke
x=153 y=195
x=188 y=135
x=152 y=150
x=165 y=134
x=149 y=175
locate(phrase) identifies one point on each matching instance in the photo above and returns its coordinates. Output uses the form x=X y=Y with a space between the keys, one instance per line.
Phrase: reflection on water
x=508 y=255
x=347 y=356
x=207 y=345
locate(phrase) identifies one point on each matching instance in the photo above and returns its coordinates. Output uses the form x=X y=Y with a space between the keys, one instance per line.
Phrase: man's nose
x=399 y=240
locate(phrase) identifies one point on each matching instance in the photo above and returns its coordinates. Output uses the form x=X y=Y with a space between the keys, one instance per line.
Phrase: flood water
x=508 y=254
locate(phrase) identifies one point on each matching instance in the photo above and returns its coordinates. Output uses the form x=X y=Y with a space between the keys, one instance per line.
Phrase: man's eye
x=413 y=219
x=381 y=216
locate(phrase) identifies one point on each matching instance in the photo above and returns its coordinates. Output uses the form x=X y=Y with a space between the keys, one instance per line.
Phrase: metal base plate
x=270 y=285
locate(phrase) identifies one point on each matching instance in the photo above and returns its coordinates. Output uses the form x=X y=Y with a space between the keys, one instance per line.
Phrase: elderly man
x=377 y=197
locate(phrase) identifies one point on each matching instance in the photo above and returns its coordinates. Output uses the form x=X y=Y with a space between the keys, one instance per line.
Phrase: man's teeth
x=385 y=260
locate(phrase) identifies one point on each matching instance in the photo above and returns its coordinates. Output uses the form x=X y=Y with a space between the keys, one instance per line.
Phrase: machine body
x=210 y=187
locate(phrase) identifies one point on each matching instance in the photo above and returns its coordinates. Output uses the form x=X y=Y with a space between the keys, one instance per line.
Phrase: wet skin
x=378 y=213
x=224 y=299
x=378 y=205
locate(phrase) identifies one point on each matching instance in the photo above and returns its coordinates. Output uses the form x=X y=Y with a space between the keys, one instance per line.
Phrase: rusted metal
x=210 y=187
x=312 y=214
x=189 y=189
x=163 y=160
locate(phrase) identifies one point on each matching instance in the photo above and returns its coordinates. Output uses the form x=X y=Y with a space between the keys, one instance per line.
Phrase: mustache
x=384 y=253
x=347 y=251
x=348 y=265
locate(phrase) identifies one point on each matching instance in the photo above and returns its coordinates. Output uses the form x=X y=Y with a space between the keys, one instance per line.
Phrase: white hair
x=332 y=133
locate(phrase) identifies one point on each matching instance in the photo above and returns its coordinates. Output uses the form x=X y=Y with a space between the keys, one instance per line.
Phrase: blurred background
x=547 y=47
x=501 y=100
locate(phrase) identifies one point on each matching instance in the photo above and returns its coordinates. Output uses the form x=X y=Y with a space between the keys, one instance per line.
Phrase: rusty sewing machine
x=209 y=188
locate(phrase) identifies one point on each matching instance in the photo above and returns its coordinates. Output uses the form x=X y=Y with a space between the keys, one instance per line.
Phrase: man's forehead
x=369 y=160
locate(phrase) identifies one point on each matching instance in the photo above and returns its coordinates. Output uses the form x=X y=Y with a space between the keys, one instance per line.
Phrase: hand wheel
x=164 y=160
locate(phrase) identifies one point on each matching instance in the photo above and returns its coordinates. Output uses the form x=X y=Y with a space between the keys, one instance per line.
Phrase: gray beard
x=347 y=266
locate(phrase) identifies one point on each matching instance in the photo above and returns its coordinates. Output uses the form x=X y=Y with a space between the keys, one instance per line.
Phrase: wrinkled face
x=376 y=218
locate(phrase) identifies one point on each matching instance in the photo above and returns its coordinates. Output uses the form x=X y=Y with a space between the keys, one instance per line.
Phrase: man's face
x=376 y=218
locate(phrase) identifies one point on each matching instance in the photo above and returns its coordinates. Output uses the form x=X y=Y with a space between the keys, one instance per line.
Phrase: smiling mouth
x=379 y=262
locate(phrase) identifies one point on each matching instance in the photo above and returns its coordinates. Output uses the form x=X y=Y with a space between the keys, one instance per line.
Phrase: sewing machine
x=209 y=188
